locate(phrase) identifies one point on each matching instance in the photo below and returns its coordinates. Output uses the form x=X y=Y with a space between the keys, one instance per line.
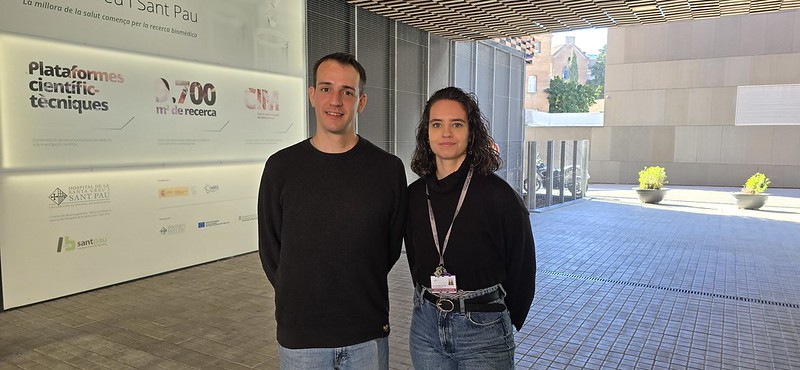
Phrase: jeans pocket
x=484 y=318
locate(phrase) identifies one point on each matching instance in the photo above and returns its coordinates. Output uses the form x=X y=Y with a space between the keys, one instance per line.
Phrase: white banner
x=265 y=35
x=69 y=106
x=133 y=134
x=68 y=232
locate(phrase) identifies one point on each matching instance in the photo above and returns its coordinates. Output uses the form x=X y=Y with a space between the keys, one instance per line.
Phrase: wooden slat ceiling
x=487 y=19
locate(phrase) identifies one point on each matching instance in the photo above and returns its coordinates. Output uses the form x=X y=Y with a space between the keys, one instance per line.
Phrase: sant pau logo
x=81 y=194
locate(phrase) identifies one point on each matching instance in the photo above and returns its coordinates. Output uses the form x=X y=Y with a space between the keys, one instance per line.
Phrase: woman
x=468 y=241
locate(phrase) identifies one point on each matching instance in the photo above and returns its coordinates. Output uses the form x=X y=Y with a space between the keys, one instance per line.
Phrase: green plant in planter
x=756 y=184
x=653 y=177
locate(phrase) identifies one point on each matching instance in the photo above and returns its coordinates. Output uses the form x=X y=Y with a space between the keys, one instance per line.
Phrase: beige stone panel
x=689 y=73
x=741 y=172
x=629 y=171
x=577 y=133
x=621 y=144
x=616 y=106
x=792 y=178
x=663 y=139
x=786 y=145
x=647 y=76
x=657 y=35
x=615 y=49
x=788 y=67
x=670 y=72
x=796 y=38
x=699 y=112
x=762 y=70
x=724 y=174
x=734 y=140
x=676 y=107
x=635 y=45
x=603 y=172
x=679 y=35
x=753 y=34
x=600 y=144
x=723 y=106
x=686 y=174
x=639 y=138
x=737 y=71
x=619 y=77
x=703 y=35
x=685 y=144
x=635 y=108
x=728 y=33
x=758 y=144
x=649 y=106
x=712 y=72
x=709 y=144
x=778 y=34
x=789 y=177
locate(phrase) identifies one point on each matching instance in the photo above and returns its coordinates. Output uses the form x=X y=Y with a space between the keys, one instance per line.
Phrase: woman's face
x=448 y=130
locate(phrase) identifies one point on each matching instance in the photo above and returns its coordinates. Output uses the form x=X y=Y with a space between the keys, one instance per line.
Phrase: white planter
x=750 y=201
x=651 y=195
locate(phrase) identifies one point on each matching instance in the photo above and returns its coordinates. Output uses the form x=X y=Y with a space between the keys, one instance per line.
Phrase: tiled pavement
x=690 y=283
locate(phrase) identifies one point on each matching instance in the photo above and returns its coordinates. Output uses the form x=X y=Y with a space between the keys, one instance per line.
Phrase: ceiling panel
x=485 y=19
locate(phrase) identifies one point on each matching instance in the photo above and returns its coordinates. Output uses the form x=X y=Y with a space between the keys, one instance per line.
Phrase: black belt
x=474 y=304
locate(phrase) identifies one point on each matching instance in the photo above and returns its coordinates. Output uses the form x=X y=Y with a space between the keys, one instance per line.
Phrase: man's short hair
x=347 y=60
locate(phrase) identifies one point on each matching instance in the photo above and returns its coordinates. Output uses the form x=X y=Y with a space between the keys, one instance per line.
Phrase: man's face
x=336 y=98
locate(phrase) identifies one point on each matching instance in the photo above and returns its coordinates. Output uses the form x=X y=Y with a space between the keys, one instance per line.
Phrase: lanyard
x=433 y=220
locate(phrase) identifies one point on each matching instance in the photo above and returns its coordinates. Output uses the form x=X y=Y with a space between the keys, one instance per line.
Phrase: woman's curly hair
x=481 y=147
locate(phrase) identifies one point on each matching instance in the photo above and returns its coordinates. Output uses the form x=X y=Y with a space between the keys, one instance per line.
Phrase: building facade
x=561 y=60
x=671 y=101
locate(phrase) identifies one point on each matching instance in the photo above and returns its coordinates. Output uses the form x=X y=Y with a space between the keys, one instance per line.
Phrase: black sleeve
x=520 y=259
x=409 y=242
x=398 y=221
x=269 y=223
x=409 y=233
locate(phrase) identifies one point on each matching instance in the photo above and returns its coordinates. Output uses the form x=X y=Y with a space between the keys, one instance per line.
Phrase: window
x=531 y=84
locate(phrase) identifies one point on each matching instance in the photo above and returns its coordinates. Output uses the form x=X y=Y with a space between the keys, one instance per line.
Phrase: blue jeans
x=373 y=354
x=460 y=340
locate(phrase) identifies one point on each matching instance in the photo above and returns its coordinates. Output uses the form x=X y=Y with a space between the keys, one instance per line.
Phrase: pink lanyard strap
x=433 y=219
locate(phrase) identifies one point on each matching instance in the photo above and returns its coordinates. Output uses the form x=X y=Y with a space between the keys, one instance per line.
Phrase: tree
x=573 y=68
x=598 y=70
x=569 y=96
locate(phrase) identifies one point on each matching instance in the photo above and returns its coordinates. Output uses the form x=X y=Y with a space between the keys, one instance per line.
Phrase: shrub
x=653 y=177
x=756 y=184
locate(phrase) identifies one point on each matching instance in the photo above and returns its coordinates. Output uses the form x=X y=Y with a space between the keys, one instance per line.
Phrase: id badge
x=443 y=284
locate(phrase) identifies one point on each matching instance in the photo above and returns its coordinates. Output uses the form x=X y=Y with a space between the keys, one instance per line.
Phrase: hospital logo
x=58 y=196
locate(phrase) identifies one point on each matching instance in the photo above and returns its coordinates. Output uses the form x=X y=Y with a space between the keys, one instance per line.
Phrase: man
x=331 y=211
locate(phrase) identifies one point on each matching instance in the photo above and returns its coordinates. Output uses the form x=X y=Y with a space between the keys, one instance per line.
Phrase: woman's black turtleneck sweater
x=491 y=241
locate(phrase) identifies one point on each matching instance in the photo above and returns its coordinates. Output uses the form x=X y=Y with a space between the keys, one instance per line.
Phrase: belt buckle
x=445 y=301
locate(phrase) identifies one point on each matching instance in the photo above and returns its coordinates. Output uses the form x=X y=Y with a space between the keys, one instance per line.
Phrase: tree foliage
x=573 y=68
x=598 y=70
x=570 y=96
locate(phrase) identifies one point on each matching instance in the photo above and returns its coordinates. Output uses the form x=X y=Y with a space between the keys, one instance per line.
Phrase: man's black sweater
x=330 y=229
